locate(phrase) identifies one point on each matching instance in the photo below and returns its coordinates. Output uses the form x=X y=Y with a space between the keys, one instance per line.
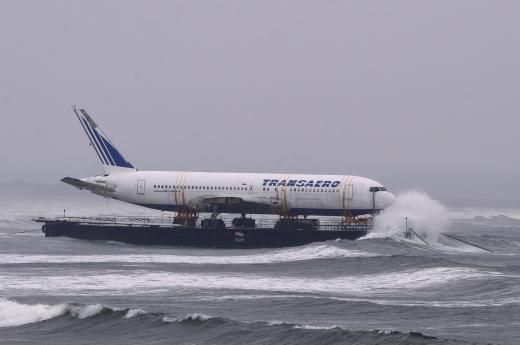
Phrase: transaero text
x=301 y=183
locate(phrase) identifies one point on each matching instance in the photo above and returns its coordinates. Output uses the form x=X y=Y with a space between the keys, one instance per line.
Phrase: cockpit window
x=377 y=189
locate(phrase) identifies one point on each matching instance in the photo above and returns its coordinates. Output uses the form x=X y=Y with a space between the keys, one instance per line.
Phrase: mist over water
x=427 y=217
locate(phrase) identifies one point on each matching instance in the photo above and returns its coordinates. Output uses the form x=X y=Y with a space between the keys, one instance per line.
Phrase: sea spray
x=426 y=216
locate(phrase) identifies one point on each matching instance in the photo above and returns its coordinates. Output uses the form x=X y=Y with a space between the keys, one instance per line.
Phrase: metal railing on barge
x=169 y=222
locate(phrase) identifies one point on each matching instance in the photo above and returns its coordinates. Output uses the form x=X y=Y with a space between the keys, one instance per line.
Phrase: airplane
x=189 y=193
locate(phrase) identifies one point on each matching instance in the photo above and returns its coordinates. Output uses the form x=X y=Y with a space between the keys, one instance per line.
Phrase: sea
x=384 y=288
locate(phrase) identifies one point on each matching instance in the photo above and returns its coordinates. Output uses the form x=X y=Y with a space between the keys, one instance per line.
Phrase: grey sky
x=407 y=92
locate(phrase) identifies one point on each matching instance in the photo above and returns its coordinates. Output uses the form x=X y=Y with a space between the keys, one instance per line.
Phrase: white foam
x=426 y=216
x=134 y=312
x=193 y=317
x=312 y=327
x=311 y=252
x=16 y=314
x=138 y=282
x=413 y=302
x=83 y=312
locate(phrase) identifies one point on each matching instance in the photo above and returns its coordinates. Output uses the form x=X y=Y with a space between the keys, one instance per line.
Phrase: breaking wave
x=16 y=314
x=427 y=217
x=96 y=322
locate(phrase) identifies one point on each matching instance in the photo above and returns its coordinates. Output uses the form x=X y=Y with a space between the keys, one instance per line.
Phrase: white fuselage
x=285 y=194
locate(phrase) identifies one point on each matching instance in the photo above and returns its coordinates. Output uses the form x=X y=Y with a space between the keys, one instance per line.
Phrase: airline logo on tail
x=110 y=157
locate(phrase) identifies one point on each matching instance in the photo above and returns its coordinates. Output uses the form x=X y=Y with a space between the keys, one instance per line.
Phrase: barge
x=164 y=231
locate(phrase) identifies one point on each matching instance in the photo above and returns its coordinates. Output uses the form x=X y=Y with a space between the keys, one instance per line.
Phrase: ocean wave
x=15 y=314
x=489 y=302
x=309 y=252
x=195 y=327
x=399 y=283
x=194 y=317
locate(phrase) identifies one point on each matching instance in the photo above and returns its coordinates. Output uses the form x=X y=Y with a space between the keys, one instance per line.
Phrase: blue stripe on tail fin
x=110 y=157
x=92 y=139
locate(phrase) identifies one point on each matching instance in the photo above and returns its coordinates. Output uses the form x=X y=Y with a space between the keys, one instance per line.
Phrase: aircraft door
x=250 y=189
x=141 y=184
x=346 y=196
x=348 y=193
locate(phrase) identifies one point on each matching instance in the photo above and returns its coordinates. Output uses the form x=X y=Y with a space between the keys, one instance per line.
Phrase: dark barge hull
x=194 y=236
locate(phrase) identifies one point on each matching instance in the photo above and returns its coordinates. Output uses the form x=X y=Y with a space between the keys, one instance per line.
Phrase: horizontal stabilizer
x=93 y=187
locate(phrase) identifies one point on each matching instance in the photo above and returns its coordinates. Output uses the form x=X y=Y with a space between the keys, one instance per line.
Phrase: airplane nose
x=390 y=199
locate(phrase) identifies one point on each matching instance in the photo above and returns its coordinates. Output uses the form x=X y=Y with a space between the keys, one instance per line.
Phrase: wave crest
x=16 y=314
x=309 y=252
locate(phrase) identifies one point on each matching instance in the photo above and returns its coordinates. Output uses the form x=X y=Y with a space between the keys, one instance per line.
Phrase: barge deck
x=162 y=231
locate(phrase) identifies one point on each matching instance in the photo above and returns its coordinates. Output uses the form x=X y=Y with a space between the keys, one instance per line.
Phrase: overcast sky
x=414 y=93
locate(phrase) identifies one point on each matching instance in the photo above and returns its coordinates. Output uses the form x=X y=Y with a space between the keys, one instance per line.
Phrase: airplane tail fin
x=111 y=159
